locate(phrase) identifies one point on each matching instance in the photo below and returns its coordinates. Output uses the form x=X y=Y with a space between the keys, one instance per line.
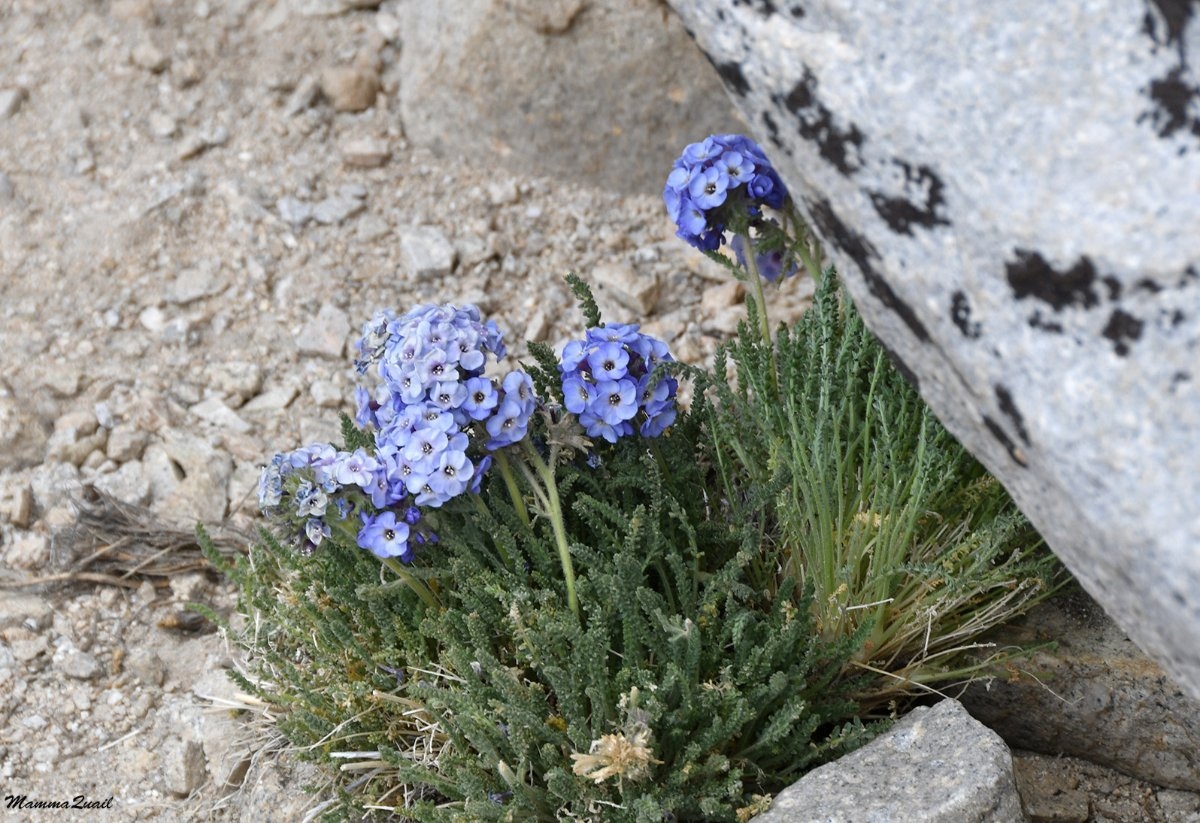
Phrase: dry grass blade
x=121 y=544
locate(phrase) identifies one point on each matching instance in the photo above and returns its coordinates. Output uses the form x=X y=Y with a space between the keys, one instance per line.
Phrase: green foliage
x=869 y=500
x=487 y=707
x=587 y=303
x=672 y=627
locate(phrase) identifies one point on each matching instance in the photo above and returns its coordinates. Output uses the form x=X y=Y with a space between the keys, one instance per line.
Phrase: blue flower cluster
x=723 y=171
x=607 y=382
x=311 y=489
x=430 y=407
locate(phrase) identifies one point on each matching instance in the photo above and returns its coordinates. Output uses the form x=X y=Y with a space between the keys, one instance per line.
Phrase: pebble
x=293 y=211
x=25 y=645
x=129 y=484
x=10 y=102
x=238 y=380
x=20 y=507
x=618 y=283
x=149 y=57
x=349 y=88
x=126 y=442
x=79 y=665
x=214 y=410
x=26 y=610
x=183 y=767
x=162 y=125
x=195 y=283
x=28 y=550
x=146 y=666
x=365 y=152
x=327 y=395
x=273 y=400
x=7 y=192
x=723 y=295
x=335 y=210
x=325 y=334
x=371 y=228
x=302 y=97
x=425 y=252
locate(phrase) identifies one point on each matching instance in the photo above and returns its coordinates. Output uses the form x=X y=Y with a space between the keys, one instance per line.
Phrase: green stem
x=414 y=583
x=510 y=483
x=764 y=325
x=548 y=496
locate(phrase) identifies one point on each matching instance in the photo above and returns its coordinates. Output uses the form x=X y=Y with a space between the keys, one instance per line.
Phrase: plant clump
x=558 y=594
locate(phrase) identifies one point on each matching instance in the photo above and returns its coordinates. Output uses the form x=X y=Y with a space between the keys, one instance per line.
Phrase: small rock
x=149 y=57
x=503 y=192
x=238 y=380
x=326 y=395
x=52 y=484
x=79 y=665
x=153 y=319
x=146 y=666
x=10 y=102
x=128 y=484
x=722 y=296
x=274 y=399
x=348 y=88
x=372 y=228
x=303 y=97
x=126 y=442
x=425 y=252
x=293 y=211
x=325 y=334
x=20 y=507
x=183 y=767
x=191 y=146
x=21 y=609
x=7 y=192
x=72 y=427
x=63 y=380
x=194 y=284
x=216 y=412
x=133 y=10
x=334 y=210
x=25 y=644
x=539 y=324
x=162 y=125
x=365 y=152
x=618 y=283
x=29 y=550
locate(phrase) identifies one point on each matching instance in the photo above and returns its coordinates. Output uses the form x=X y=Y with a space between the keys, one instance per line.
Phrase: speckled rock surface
x=1011 y=191
x=1094 y=695
x=537 y=86
x=936 y=765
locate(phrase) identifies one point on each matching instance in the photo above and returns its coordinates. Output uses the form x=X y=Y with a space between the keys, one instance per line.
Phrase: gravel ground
x=193 y=224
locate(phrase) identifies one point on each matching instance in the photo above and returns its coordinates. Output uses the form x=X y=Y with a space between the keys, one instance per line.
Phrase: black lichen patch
x=1030 y=275
x=764 y=7
x=772 y=130
x=1173 y=98
x=997 y=431
x=920 y=204
x=1006 y=404
x=796 y=11
x=1041 y=323
x=731 y=73
x=840 y=146
x=1175 y=15
x=960 y=313
x=860 y=250
x=1122 y=329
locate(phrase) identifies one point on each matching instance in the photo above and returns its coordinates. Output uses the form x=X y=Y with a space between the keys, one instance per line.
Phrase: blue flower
x=481 y=398
x=355 y=469
x=723 y=172
x=384 y=537
x=507 y=425
x=606 y=383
